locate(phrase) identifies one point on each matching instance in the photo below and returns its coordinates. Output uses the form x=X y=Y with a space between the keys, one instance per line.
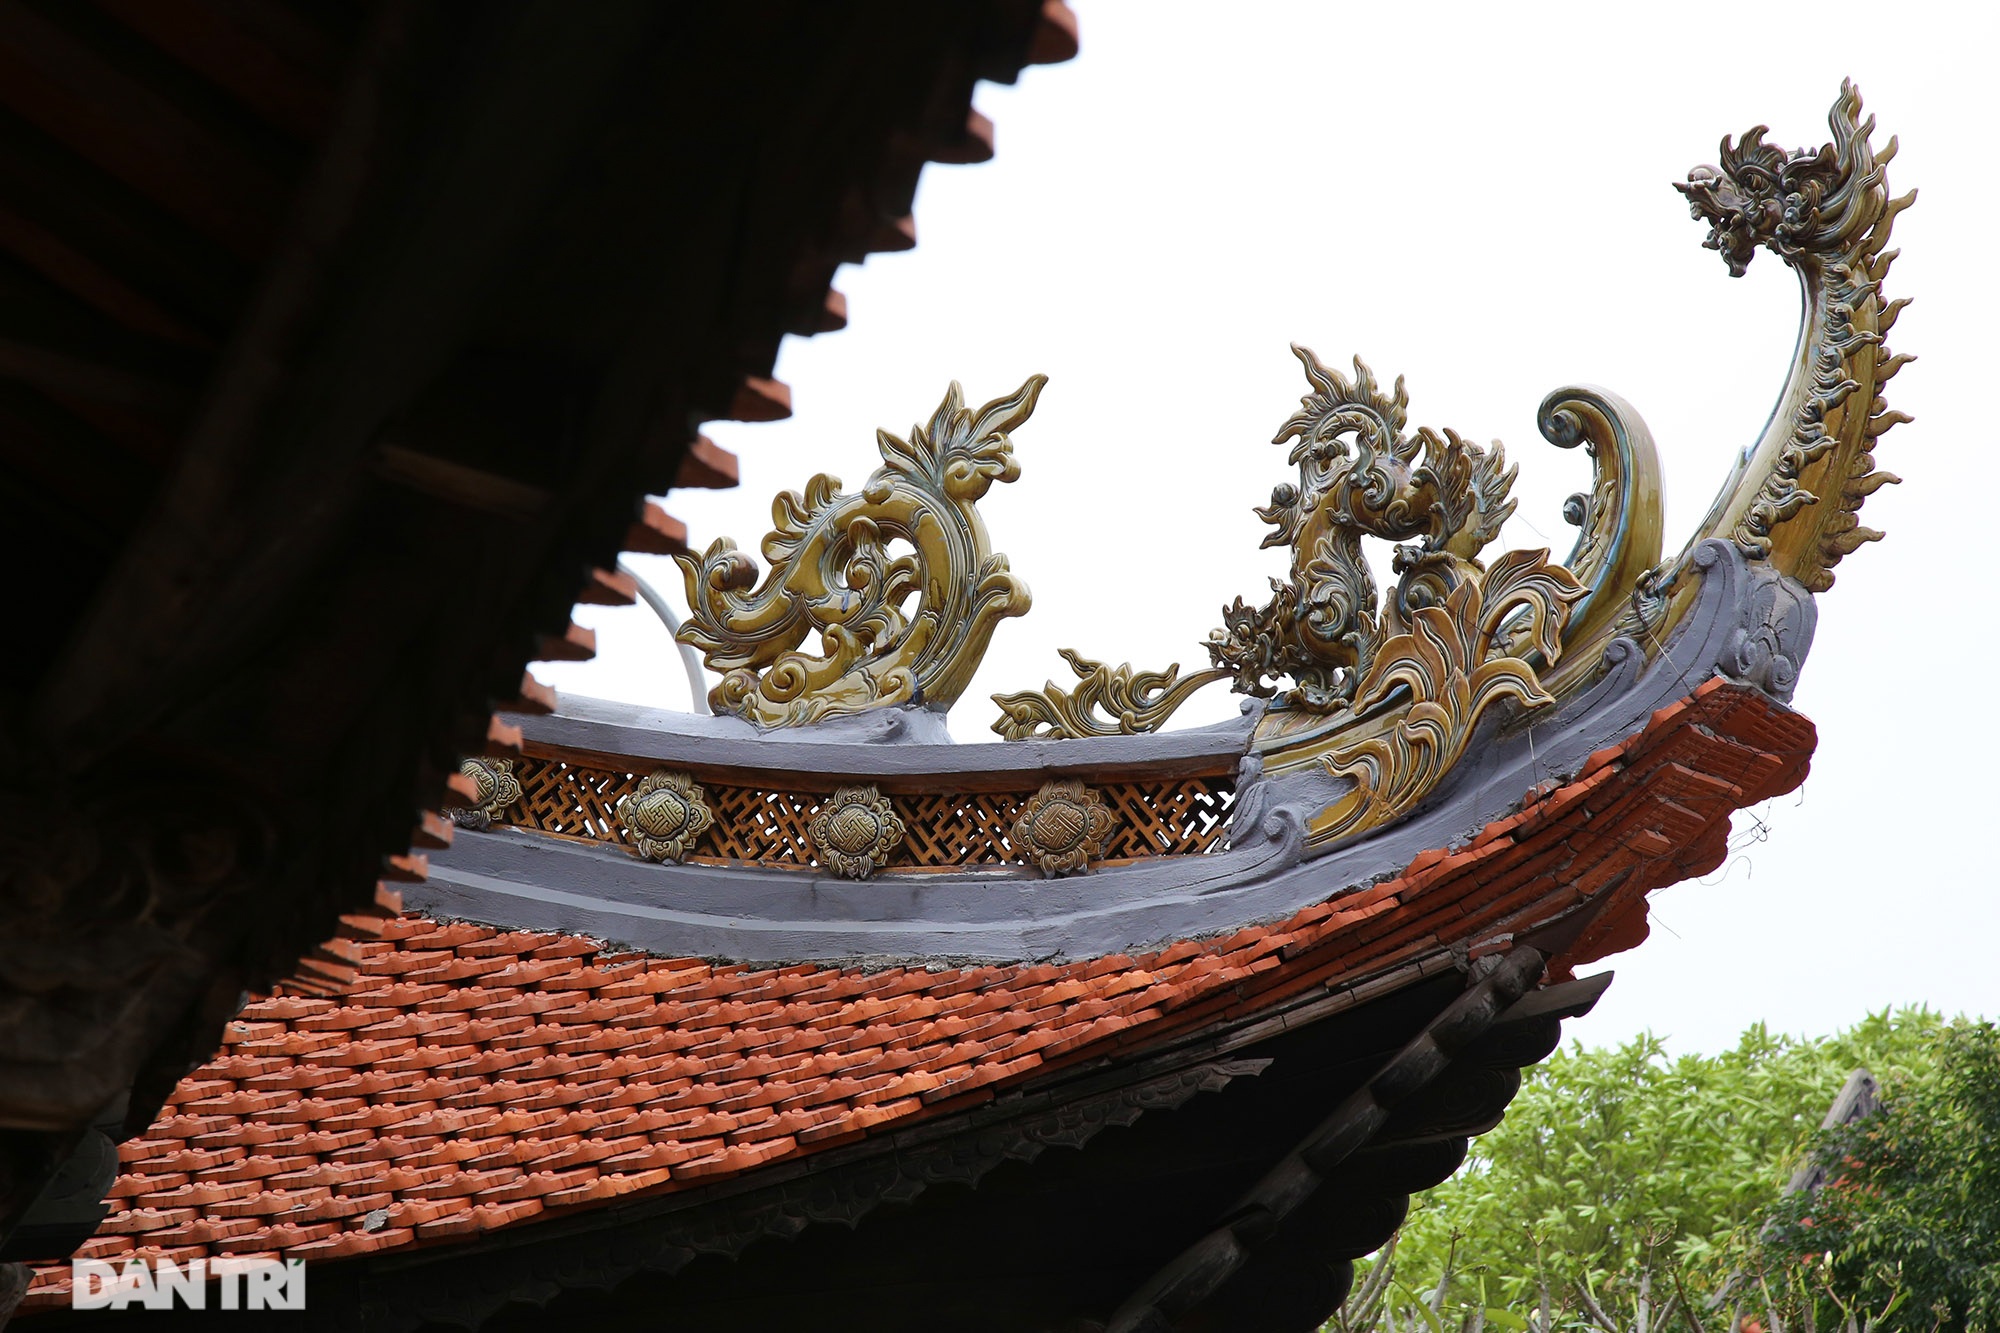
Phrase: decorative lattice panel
x=948 y=830
x=563 y=798
x=768 y=827
x=1171 y=817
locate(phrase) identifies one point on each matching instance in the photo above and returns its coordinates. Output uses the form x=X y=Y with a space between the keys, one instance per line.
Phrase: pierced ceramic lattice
x=1172 y=817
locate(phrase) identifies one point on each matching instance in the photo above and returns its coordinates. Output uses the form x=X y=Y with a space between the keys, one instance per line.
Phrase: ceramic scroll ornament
x=898 y=580
x=1453 y=638
x=1106 y=701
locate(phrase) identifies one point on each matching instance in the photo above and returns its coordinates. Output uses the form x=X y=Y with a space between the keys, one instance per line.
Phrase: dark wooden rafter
x=1293 y=1271
x=610 y=587
x=1203 y=1269
x=707 y=466
x=277 y=61
x=112 y=247
x=118 y=104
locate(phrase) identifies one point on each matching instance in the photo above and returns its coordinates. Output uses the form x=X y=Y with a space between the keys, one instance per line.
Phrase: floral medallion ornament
x=664 y=815
x=497 y=789
x=1062 y=827
x=855 y=831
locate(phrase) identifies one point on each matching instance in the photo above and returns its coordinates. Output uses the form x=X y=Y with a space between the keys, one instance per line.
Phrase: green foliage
x=1908 y=1223
x=1624 y=1189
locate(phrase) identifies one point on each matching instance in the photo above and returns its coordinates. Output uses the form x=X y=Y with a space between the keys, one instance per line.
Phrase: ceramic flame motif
x=1062 y=828
x=856 y=830
x=1457 y=660
x=1106 y=701
x=834 y=571
x=1453 y=639
x=664 y=815
x=1360 y=475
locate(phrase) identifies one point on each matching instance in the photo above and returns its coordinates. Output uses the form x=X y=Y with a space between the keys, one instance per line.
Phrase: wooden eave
x=339 y=347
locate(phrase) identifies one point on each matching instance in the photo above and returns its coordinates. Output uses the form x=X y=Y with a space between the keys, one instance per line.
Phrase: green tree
x=1906 y=1229
x=1625 y=1188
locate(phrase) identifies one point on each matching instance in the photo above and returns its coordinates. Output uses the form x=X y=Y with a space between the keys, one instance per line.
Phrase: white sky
x=1476 y=198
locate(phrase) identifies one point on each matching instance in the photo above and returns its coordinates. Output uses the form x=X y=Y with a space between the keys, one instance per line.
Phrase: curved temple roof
x=673 y=967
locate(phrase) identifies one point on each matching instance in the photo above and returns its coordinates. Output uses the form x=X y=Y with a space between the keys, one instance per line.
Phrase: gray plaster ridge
x=762 y=914
x=906 y=743
x=883 y=726
x=1744 y=618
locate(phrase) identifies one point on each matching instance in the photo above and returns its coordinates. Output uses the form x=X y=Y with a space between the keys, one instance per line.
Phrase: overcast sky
x=1478 y=199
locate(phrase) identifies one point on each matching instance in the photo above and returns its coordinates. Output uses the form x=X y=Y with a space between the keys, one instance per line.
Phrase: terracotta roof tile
x=146 y=1221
